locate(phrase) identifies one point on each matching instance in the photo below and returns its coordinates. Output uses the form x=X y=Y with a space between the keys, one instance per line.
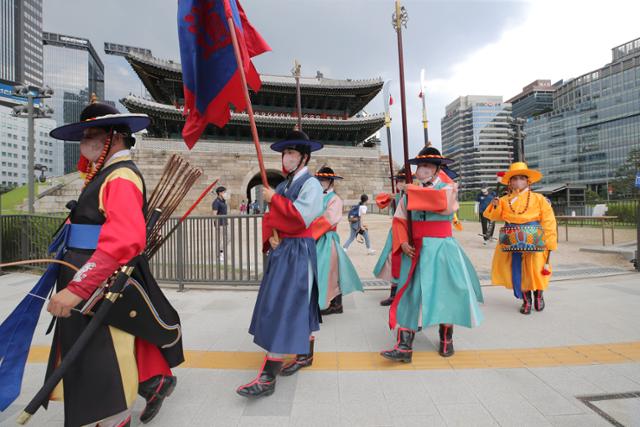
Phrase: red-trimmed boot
x=446 y=340
x=265 y=383
x=538 y=300
x=526 y=302
x=155 y=390
x=403 y=350
x=301 y=361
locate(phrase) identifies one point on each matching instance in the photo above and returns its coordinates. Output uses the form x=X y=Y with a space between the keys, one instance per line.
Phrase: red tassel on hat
x=84 y=166
x=546 y=270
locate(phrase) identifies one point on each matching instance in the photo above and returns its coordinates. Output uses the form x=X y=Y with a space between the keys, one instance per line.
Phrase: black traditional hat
x=326 y=172
x=401 y=175
x=101 y=115
x=299 y=141
x=430 y=155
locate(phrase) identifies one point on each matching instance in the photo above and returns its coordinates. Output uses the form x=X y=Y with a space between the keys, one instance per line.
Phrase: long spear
x=423 y=96
x=400 y=18
x=387 y=123
x=296 y=74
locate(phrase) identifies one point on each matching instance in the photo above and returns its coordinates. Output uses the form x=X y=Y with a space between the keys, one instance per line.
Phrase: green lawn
x=14 y=198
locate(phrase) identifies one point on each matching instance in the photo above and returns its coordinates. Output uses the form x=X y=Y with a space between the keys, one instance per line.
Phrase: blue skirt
x=286 y=310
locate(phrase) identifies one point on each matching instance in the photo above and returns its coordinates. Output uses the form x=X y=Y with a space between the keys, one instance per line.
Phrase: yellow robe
x=532 y=262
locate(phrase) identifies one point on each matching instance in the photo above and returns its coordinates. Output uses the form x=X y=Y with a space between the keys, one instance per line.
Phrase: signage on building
x=7 y=97
x=73 y=40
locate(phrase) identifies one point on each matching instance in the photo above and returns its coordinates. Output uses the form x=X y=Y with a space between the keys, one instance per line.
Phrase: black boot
x=403 y=350
x=265 y=383
x=301 y=361
x=538 y=301
x=392 y=295
x=155 y=390
x=335 y=307
x=446 y=340
x=526 y=302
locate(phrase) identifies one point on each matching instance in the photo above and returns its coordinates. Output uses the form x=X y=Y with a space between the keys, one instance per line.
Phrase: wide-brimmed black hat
x=100 y=115
x=299 y=141
x=326 y=172
x=430 y=155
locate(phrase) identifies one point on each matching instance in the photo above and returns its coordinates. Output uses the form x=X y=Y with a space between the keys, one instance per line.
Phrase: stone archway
x=274 y=177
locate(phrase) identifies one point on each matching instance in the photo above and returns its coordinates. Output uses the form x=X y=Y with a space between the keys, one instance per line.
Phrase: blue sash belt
x=16 y=332
x=516 y=266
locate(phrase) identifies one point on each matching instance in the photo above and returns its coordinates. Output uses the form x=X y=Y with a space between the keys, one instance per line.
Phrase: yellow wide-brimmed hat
x=521 y=168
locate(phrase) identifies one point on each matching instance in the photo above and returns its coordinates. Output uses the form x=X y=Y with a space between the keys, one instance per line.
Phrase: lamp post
x=31 y=111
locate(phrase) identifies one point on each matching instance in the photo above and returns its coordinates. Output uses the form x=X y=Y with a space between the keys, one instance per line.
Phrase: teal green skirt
x=444 y=287
x=347 y=281
x=382 y=270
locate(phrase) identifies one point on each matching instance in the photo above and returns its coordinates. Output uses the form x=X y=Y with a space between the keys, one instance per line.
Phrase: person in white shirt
x=356 y=221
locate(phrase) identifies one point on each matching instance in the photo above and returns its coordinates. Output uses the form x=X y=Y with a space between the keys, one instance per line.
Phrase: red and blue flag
x=210 y=74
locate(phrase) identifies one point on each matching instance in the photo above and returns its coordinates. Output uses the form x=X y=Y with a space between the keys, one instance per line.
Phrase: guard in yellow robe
x=527 y=271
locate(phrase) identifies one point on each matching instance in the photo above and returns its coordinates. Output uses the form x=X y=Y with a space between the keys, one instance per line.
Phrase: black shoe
x=387 y=302
x=265 y=383
x=403 y=350
x=332 y=309
x=538 y=300
x=526 y=303
x=301 y=361
x=155 y=390
x=446 y=340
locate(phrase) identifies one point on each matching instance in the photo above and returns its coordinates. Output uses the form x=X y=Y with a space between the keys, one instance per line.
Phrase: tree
x=625 y=177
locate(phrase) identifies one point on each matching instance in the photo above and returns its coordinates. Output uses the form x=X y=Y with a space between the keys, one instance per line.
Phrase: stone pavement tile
x=629 y=370
x=563 y=380
x=516 y=412
x=313 y=414
x=447 y=387
x=317 y=387
x=364 y=414
x=490 y=386
x=582 y=420
x=360 y=387
x=624 y=411
x=605 y=378
x=265 y=407
x=264 y=421
x=535 y=391
x=418 y=421
x=217 y=421
x=466 y=414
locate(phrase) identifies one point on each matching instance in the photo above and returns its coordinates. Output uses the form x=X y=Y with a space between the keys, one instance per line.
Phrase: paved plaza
x=577 y=363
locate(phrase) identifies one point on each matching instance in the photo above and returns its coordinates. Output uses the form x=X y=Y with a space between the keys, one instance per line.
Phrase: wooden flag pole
x=245 y=89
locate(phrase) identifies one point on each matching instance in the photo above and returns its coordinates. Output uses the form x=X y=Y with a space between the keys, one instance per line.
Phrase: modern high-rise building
x=13 y=148
x=21 y=41
x=594 y=124
x=74 y=71
x=476 y=133
x=535 y=98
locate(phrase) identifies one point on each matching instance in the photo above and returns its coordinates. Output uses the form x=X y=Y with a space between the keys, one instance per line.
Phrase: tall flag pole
x=423 y=96
x=217 y=43
x=399 y=19
x=388 y=101
x=296 y=74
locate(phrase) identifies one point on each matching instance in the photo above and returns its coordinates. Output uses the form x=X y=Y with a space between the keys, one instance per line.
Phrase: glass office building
x=74 y=71
x=21 y=41
x=594 y=124
x=476 y=133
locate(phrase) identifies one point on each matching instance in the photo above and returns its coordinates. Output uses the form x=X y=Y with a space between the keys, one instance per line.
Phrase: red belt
x=439 y=229
x=302 y=234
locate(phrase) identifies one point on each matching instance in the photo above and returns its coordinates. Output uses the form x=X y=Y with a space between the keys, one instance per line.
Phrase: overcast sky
x=470 y=47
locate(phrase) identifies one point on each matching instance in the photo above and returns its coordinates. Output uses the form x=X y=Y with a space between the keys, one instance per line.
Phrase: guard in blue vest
x=287 y=312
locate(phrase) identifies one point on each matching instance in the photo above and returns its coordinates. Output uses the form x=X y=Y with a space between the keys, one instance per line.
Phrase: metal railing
x=201 y=250
x=26 y=236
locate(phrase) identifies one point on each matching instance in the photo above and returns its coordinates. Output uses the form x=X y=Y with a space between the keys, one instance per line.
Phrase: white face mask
x=290 y=160
x=325 y=184
x=92 y=147
x=426 y=172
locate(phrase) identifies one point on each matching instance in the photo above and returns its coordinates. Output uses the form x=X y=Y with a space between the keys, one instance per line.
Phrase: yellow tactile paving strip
x=422 y=360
